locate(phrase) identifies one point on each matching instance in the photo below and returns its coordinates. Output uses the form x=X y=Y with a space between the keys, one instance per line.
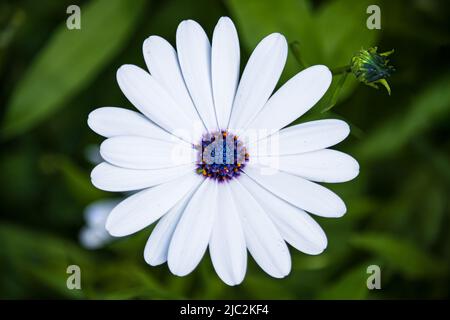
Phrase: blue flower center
x=221 y=156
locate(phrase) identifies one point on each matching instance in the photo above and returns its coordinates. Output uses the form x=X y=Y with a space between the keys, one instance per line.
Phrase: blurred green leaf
x=41 y=257
x=164 y=23
x=427 y=108
x=131 y=281
x=18 y=170
x=293 y=18
x=302 y=262
x=351 y=285
x=70 y=60
x=322 y=36
x=9 y=31
x=262 y=286
x=401 y=255
x=435 y=205
x=400 y=209
x=76 y=179
x=438 y=159
x=341 y=39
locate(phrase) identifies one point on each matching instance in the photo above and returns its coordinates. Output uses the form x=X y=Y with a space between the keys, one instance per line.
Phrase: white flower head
x=211 y=157
x=93 y=234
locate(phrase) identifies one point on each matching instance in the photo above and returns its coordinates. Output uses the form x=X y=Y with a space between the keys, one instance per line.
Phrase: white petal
x=227 y=243
x=293 y=99
x=298 y=191
x=259 y=79
x=145 y=207
x=147 y=95
x=145 y=153
x=111 y=121
x=194 y=55
x=111 y=178
x=294 y=224
x=225 y=56
x=162 y=62
x=261 y=236
x=157 y=246
x=190 y=239
x=322 y=166
x=304 y=137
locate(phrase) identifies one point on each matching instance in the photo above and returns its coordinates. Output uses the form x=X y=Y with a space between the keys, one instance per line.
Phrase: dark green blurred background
x=398 y=207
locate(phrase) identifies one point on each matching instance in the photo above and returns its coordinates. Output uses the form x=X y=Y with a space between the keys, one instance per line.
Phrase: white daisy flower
x=212 y=158
x=93 y=234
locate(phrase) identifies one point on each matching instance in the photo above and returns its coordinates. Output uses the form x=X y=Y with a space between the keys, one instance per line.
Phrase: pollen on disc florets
x=221 y=156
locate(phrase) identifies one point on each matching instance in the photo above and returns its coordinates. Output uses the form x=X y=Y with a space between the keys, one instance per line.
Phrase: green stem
x=295 y=48
x=335 y=94
x=340 y=70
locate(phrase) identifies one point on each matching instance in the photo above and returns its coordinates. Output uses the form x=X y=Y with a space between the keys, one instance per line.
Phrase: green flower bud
x=371 y=68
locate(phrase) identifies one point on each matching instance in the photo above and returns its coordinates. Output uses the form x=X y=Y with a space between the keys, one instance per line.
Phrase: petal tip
x=111 y=228
x=233 y=282
x=177 y=270
x=149 y=41
x=114 y=229
x=125 y=68
x=224 y=19
x=90 y=120
x=188 y=23
x=356 y=168
x=151 y=260
x=341 y=211
x=326 y=71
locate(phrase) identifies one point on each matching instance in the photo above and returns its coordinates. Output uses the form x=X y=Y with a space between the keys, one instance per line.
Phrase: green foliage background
x=398 y=208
